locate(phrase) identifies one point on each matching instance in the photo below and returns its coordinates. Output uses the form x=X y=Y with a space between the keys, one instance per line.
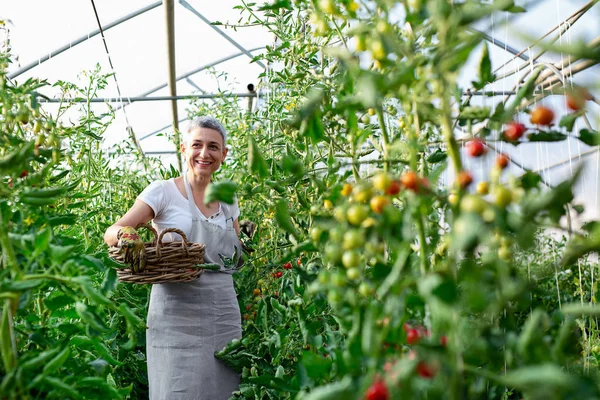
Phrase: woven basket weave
x=165 y=262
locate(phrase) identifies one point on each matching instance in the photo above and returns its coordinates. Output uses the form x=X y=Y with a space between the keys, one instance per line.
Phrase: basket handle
x=184 y=242
x=151 y=229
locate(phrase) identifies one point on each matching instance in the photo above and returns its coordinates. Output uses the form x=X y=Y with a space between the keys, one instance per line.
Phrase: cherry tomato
x=378 y=203
x=502 y=161
x=475 y=148
x=377 y=391
x=425 y=370
x=542 y=116
x=413 y=336
x=410 y=180
x=464 y=179
x=514 y=131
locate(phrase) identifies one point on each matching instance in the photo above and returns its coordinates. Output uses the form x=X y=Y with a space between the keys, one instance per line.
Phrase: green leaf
x=437 y=156
x=516 y=9
x=221 y=191
x=341 y=390
x=545 y=375
x=591 y=138
x=284 y=218
x=256 y=162
x=578 y=309
x=530 y=180
x=524 y=92
x=568 y=121
x=42 y=239
x=485 y=74
x=551 y=136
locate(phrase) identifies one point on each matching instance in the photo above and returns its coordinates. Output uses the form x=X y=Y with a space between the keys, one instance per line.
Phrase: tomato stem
x=384 y=137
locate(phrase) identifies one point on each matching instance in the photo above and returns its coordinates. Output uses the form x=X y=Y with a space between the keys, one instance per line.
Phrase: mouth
x=203 y=163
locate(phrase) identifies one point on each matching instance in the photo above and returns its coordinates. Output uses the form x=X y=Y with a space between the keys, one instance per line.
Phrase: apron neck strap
x=190 y=196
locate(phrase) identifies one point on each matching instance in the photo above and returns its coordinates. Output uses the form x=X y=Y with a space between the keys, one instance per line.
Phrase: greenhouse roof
x=52 y=43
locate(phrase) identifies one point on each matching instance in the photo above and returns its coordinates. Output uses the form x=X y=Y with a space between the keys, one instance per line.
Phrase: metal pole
x=159 y=130
x=170 y=25
x=251 y=90
x=187 y=74
x=82 y=39
x=154 y=98
x=219 y=31
x=500 y=44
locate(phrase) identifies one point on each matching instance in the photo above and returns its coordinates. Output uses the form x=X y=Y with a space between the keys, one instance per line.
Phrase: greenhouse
x=307 y=199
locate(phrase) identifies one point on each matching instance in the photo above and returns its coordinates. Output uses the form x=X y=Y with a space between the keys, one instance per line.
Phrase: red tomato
x=413 y=336
x=444 y=341
x=425 y=370
x=514 y=131
x=393 y=188
x=475 y=148
x=287 y=265
x=377 y=391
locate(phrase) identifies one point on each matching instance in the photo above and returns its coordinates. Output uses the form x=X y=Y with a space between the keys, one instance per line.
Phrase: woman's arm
x=236 y=225
x=139 y=213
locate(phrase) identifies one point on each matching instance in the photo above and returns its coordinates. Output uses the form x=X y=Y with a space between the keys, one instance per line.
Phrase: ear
x=182 y=147
x=225 y=150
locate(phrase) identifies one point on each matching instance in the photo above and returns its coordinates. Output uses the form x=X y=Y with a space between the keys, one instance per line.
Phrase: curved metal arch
x=192 y=72
x=83 y=39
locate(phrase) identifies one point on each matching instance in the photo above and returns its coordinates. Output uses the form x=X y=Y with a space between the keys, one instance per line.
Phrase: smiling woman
x=188 y=322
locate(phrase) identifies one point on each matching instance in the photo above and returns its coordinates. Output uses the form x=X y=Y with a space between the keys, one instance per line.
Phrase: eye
x=214 y=147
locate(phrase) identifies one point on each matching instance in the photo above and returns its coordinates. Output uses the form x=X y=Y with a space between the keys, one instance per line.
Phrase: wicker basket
x=165 y=262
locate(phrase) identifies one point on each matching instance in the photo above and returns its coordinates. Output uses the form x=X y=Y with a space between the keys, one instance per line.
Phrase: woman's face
x=204 y=151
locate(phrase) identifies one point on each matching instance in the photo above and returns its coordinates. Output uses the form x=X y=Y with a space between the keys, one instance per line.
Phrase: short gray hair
x=206 y=122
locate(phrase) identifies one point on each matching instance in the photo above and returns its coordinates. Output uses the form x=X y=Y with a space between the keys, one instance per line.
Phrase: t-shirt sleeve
x=234 y=209
x=154 y=195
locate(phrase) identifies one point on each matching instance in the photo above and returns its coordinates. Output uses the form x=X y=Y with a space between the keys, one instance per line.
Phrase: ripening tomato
x=347 y=189
x=514 y=131
x=378 y=203
x=299 y=261
x=576 y=98
x=483 y=188
x=502 y=161
x=475 y=148
x=542 y=116
x=464 y=179
x=377 y=391
x=410 y=180
x=256 y=292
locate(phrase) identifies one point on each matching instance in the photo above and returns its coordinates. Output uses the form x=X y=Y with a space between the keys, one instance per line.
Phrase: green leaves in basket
x=221 y=191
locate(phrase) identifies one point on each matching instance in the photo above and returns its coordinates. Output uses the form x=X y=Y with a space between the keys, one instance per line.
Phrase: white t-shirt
x=171 y=209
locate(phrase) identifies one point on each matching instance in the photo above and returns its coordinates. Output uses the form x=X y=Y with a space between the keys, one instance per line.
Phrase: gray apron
x=188 y=322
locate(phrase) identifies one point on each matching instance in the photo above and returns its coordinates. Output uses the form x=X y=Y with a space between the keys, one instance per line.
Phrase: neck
x=198 y=182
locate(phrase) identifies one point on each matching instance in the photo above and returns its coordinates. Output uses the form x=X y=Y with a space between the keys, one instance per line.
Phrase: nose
x=203 y=151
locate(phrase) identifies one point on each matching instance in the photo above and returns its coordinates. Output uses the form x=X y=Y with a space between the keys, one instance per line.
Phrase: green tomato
x=357 y=214
x=353 y=238
x=316 y=233
x=353 y=273
x=333 y=252
x=351 y=259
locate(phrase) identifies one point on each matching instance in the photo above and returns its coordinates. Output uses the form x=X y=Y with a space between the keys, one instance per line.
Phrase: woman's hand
x=132 y=248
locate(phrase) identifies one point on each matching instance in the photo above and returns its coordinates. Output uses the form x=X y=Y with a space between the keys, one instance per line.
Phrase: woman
x=188 y=322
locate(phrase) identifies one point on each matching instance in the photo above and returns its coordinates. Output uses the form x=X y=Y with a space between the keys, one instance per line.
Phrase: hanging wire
x=129 y=128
